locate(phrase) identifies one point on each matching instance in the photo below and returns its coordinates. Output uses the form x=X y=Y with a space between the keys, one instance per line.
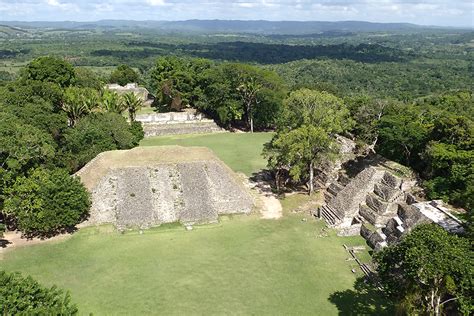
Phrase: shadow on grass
x=365 y=299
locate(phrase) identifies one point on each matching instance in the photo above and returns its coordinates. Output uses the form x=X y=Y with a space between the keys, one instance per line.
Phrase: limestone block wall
x=346 y=203
x=175 y=123
x=194 y=192
x=142 y=194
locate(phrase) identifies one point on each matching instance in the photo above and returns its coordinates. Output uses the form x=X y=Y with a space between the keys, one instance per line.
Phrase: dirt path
x=12 y=240
x=267 y=202
x=271 y=207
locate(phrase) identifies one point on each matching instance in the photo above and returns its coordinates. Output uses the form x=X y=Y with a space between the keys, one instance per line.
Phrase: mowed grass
x=243 y=265
x=240 y=151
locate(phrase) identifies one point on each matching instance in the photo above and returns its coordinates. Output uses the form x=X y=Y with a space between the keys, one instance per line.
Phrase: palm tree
x=74 y=105
x=133 y=104
x=111 y=102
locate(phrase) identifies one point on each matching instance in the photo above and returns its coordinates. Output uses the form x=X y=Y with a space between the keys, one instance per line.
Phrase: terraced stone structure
x=175 y=123
x=379 y=206
x=149 y=186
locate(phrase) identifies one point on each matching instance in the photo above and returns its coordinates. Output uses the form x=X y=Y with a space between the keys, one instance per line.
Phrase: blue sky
x=428 y=12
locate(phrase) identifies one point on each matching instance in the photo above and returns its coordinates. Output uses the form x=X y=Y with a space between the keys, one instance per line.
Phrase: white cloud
x=156 y=2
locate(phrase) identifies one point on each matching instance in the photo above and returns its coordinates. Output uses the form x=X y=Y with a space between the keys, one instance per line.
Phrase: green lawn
x=243 y=265
x=240 y=151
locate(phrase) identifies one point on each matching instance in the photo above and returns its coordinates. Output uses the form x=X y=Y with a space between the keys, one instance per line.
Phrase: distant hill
x=228 y=26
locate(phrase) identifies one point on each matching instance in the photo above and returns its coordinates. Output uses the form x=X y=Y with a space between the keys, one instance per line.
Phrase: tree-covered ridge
x=403 y=81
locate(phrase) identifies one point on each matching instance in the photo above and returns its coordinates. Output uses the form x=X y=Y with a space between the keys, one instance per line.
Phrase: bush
x=46 y=202
x=20 y=295
x=94 y=134
x=136 y=129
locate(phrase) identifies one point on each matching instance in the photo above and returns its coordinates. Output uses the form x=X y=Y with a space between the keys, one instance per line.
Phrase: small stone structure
x=141 y=92
x=379 y=206
x=174 y=123
x=149 y=186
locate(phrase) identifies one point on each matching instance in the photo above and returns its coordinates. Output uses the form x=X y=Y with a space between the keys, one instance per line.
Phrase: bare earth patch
x=12 y=240
x=267 y=202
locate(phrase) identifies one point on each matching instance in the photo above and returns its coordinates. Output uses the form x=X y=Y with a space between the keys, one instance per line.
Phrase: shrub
x=136 y=129
x=25 y=296
x=94 y=134
x=46 y=202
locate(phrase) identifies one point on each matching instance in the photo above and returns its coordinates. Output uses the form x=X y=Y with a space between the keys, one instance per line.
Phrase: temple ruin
x=149 y=186
x=174 y=123
x=379 y=205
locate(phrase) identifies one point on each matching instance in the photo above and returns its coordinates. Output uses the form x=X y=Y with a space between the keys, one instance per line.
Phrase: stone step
x=329 y=216
x=386 y=192
x=181 y=128
x=334 y=188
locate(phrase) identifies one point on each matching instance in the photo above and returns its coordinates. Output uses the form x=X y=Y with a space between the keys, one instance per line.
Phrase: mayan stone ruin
x=149 y=186
x=188 y=121
x=141 y=92
x=380 y=206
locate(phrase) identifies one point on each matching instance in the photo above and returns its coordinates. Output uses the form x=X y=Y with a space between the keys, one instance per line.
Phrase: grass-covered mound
x=240 y=151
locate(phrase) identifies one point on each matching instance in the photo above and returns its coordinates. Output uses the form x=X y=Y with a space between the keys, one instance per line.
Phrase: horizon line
x=240 y=20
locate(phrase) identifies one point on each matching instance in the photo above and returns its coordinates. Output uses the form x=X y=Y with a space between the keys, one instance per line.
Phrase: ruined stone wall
x=176 y=123
x=347 y=201
x=147 y=195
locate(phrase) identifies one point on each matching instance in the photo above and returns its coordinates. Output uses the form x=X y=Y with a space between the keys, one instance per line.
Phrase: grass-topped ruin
x=150 y=186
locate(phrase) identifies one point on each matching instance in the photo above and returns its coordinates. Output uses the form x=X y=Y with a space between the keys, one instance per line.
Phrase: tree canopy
x=124 y=74
x=429 y=271
x=50 y=69
x=21 y=295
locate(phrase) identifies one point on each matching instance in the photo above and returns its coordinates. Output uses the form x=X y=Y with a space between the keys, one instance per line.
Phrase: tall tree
x=300 y=150
x=133 y=104
x=249 y=90
x=428 y=271
x=310 y=107
x=46 y=202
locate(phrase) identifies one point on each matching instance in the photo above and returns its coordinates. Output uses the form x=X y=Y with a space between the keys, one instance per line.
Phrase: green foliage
x=175 y=80
x=132 y=103
x=300 y=150
x=95 y=133
x=50 y=69
x=136 y=129
x=86 y=78
x=222 y=94
x=306 y=128
x=435 y=136
x=111 y=102
x=321 y=109
x=46 y=202
x=25 y=296
x=428 y=268
x=78 y=102
x=124 y=74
